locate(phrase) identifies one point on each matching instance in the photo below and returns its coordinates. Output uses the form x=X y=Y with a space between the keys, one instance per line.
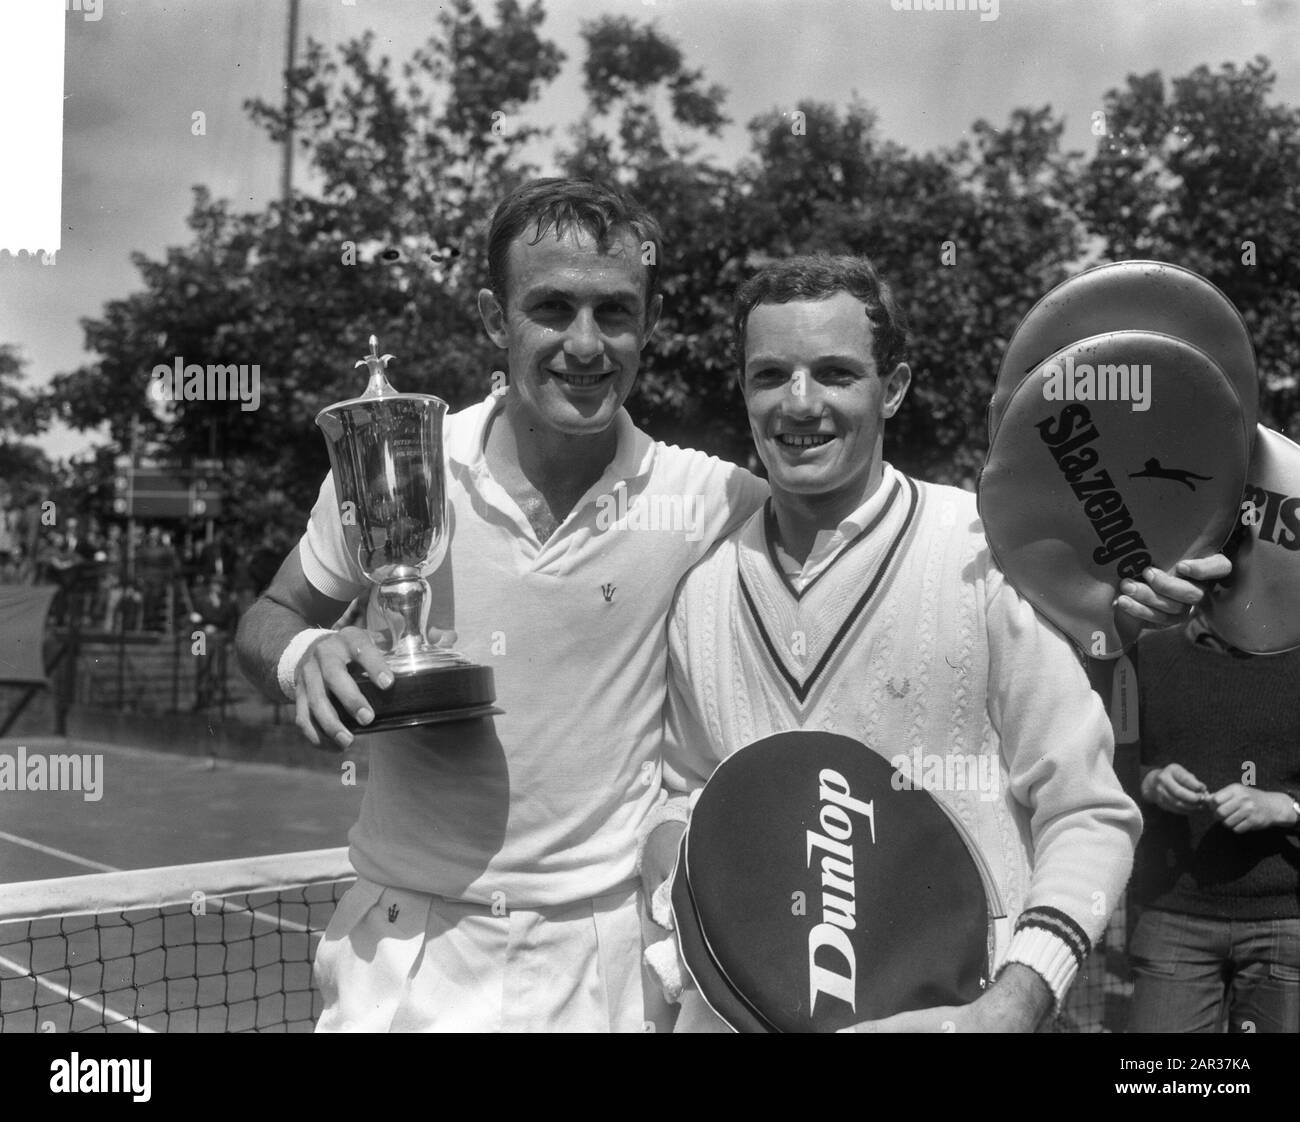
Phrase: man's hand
x=323 y=670
x=1163 y=599
x=1243 y=808
x=657 y=860
x=1175 y=789
x=1016 y=1002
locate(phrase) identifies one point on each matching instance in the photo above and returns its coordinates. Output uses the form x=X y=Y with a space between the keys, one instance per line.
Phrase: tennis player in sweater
x=863 y=602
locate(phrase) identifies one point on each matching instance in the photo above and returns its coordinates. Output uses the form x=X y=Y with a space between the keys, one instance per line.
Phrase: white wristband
x=1048 y=956
x=288 y=664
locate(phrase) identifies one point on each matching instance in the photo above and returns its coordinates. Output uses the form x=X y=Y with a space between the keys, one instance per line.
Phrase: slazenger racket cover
x=811 y=894
x=1079 y=493
x=1133 y=296
x=1257 y=608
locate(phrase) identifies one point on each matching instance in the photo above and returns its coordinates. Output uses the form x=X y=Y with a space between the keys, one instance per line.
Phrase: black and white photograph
x=653 y=516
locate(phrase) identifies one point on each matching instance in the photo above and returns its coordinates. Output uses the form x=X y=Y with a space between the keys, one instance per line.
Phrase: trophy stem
x=403 y=598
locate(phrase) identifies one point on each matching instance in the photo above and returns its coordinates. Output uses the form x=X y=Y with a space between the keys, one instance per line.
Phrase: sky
x=134 y=76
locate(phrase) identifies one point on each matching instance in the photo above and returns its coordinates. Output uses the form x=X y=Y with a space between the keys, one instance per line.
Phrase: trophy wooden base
x=428 y=696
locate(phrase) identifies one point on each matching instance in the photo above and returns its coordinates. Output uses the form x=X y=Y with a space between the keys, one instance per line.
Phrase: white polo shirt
x=542 y=803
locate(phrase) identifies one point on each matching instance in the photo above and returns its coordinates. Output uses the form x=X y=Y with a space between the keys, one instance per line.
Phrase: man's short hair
x=565 y=204
x=819 y=278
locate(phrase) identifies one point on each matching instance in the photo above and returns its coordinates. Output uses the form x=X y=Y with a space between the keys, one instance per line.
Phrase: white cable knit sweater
x=912 y=642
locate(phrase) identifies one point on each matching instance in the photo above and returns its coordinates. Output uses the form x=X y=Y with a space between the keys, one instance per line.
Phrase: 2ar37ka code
x=1197 y=1063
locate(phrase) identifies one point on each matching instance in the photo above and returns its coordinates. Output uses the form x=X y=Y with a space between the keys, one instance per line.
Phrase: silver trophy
x=390 y=480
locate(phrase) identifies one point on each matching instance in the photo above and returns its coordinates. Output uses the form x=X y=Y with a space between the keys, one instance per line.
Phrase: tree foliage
x=1205 y=172
x=403 y=163
x=23 y=466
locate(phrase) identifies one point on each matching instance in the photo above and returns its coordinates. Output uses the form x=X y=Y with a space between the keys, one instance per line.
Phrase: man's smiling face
x=574 y=324
x=817 y=404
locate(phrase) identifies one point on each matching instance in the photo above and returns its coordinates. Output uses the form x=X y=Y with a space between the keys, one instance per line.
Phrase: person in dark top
x=1217 y=873
x=156 y=567
x=217 y=557
x=69 y=560
x=215 y=611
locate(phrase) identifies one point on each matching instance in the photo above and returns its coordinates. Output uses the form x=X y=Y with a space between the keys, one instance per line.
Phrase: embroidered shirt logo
x=393 y=912
x=607 y=591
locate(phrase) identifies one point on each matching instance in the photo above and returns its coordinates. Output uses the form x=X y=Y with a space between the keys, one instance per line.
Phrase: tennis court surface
x=162 y=893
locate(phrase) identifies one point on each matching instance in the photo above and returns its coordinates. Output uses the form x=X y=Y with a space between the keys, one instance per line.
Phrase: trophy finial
x=377 y=365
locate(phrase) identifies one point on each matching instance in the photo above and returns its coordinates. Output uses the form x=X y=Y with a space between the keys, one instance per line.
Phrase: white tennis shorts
x=399 y=961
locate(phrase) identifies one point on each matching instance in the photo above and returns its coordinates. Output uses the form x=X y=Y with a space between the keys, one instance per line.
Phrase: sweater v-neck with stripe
x=911 y=641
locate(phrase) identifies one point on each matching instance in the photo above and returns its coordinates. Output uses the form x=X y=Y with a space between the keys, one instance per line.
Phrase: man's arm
x=1058 y=746
x=688 y=759
x=731 y=494
x=1017 y=1002
x=1057 y=741
x=290 y=606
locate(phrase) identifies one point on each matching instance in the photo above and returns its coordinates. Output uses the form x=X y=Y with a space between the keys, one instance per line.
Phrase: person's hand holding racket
x=1166 y=599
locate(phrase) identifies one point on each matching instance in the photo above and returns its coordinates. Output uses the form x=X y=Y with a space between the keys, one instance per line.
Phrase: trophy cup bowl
x=386 y=453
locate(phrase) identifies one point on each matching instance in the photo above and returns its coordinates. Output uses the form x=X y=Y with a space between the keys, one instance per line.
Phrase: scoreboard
x=144 y=488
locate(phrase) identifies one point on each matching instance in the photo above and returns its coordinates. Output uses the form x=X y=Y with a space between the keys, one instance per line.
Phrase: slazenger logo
x=839 y=894
x=99 y=1076
x=1102 y=504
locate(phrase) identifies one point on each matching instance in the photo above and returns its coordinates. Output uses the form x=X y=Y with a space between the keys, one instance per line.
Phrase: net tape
x=137 y=951
x=222 y=946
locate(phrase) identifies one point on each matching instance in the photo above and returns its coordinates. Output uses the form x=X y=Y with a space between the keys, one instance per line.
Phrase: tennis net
x=221 y=946
x=227 y=946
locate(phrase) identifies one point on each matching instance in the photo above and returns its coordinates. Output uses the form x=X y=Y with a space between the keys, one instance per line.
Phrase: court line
x=99 y=1007
x=63 y=854
x=72 y=997
x=69 y=995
